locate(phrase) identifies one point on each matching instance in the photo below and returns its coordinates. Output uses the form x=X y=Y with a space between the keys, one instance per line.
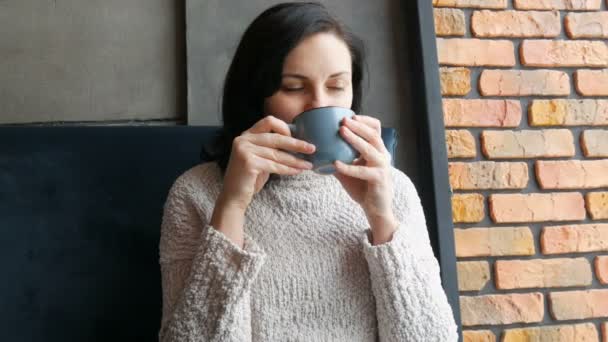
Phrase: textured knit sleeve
x=206 y=278
x=411 y=304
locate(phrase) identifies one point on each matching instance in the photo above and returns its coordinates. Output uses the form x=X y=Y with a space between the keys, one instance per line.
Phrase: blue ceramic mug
x=320 y=127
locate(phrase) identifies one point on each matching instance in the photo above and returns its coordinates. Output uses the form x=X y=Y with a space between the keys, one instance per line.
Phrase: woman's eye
x=292 y=89
x=337 y=86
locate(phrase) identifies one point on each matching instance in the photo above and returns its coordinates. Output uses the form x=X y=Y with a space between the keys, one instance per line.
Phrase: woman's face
x=316 y=73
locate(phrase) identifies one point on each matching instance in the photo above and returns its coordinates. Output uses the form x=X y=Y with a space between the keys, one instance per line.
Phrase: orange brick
x=587 y=25
x=597 y=205
x=580 y=238
x=488 y=175
x=460 y=144
x=481 y=113
x=467 y=208
x=478 y=336
x=502 y=309
x=521 y=274
x=473 y=275
x=498 y=4
x=579 y=304
x=601 y=268
x=564 y=53
x=449 y=22
x=475 y=52
x=572 y=5
x=524 y=83
x=455 y=81
x=496 y=241
x=513 y=208
x=515 y=24
x=555 y=333
x=572 y=174
x=527 y=144
x=591 y=82
x=561 y=112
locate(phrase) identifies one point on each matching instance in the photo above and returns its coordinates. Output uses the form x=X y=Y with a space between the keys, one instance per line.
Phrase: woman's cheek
x=284 y=107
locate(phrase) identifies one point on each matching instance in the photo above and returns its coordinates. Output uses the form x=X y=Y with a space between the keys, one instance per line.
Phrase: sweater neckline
x=304 y=179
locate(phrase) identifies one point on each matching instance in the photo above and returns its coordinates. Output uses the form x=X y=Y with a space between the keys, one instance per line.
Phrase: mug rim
x=309 y=110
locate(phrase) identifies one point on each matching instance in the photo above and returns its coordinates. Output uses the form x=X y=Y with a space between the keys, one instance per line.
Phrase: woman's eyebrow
x=295 y=76
x=339 y=74
x=305 y=78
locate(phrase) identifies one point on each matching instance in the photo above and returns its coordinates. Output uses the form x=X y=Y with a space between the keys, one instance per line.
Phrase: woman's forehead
x=322 y=54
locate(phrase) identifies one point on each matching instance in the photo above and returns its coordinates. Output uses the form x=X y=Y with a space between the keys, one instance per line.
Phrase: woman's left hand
x=368 y=180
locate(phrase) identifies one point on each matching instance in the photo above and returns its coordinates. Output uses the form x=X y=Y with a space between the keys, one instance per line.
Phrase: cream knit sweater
x=307 y=271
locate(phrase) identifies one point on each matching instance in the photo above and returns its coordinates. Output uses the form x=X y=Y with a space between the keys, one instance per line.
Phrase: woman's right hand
x=258 y=152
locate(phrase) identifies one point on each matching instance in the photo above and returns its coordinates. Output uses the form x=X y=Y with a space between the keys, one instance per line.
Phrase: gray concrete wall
x=110 y=61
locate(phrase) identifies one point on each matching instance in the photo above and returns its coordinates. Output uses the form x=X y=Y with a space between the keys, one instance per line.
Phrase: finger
x=344 y=179
x=367 y=132
x=270 y=124
x=359 y=161
x=371 y=121
x=368 y=152
x=271 y=166
x=278 y=141
x=359 y=172
x=281 y=157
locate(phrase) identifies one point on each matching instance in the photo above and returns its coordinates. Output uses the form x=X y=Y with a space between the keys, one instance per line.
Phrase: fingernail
x=308 y=165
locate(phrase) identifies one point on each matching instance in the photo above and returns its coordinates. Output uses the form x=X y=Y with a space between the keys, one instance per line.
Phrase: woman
x=256 y=247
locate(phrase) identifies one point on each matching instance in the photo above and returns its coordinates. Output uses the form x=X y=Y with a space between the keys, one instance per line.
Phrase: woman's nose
x=318 y=99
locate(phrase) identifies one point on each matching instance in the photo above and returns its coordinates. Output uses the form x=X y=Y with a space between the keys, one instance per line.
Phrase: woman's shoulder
x=188 y=206
x=200 y=180
x=403 y=184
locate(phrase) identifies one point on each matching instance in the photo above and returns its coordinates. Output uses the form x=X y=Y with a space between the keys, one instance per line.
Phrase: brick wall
x=525 y=86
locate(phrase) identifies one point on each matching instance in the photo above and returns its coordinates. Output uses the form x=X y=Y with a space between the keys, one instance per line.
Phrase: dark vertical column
x=434 y=187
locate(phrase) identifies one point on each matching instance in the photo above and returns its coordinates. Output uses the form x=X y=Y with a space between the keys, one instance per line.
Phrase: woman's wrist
x=229 y=218
x=383 y=227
